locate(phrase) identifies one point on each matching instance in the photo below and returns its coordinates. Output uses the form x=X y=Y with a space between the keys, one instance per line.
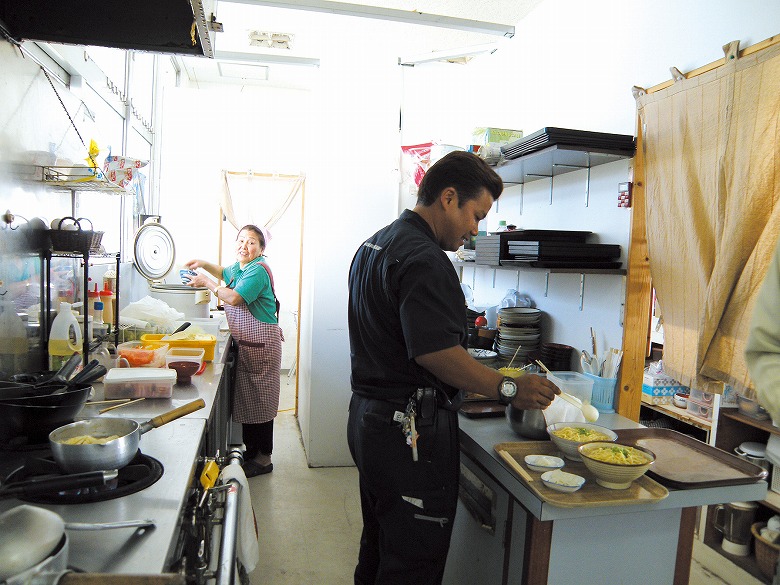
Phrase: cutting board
x=591 y=494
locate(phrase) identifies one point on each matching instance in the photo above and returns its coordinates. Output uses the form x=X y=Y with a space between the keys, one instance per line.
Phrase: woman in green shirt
x=252 y=313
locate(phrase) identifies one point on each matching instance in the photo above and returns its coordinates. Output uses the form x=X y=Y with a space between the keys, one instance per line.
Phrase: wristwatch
x=507 y=390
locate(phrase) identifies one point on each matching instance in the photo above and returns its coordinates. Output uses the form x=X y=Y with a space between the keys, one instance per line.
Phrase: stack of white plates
x=518 y=328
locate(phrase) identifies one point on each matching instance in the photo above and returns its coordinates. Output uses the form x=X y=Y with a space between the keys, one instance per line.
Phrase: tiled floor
x=309 y=519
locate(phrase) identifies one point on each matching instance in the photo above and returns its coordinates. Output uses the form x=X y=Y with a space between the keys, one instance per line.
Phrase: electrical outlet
x=624 y=194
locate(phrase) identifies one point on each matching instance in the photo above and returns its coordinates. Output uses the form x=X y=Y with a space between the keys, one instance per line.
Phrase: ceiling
x=315 y=30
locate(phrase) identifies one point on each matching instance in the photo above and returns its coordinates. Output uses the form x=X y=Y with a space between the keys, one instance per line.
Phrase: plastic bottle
x=502 y=225
x=93 y=297
x=13 y=341
x=97 y=313
x=107 y=298
x=64 y=338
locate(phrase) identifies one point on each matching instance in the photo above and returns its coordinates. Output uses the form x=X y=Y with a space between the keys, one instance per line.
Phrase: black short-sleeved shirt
x=405 y=301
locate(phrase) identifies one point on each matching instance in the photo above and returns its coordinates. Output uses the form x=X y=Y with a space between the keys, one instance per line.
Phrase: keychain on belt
x=409 y=428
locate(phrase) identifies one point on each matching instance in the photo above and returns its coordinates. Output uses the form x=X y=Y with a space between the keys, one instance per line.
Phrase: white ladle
x=588 y=410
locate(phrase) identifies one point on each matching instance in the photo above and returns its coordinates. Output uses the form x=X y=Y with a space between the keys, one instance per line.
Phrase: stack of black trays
x=556 y=249
x=575 y=139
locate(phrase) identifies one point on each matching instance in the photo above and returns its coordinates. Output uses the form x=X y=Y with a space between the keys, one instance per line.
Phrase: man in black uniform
x=407 y=330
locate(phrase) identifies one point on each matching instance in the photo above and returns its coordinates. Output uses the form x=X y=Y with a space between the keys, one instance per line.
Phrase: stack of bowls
x=556 y=356
x=518 y=328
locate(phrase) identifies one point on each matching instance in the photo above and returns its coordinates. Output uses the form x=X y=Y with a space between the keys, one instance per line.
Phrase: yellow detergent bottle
x=64 y=338
x=13 y=341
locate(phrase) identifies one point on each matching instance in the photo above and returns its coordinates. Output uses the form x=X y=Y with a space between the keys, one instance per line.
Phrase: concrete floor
x=309 y=519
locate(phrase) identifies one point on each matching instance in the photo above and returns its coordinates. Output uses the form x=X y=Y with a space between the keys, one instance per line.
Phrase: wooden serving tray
x=591 y=494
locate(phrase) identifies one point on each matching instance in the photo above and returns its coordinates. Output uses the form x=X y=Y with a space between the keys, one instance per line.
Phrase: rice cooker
x=154 y=253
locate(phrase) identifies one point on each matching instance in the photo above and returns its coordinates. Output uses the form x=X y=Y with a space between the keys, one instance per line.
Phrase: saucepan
x=122 y=445
x=33 y=541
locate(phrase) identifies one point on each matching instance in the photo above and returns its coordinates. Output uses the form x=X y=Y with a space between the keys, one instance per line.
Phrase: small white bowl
x=542 y=463
x=562 y=481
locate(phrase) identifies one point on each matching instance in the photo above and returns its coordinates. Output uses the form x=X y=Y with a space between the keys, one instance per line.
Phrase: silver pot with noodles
x=96 y=444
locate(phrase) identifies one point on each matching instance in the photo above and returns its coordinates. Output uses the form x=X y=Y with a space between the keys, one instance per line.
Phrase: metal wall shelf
x=553 y=161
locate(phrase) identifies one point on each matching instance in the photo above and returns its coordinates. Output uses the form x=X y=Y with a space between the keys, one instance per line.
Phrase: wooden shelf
x=681 y=414
x=553 y=161
x=764 y=425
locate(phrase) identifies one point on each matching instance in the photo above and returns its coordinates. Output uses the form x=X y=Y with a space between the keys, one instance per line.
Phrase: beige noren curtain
x=712 y=152
x=257 y=198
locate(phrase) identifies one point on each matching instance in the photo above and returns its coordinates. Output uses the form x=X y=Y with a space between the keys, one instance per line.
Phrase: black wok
x=77 y=394
x=34 y=421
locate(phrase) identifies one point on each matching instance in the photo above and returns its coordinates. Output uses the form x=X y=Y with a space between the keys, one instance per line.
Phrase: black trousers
x=408 y=506
x=258 y=438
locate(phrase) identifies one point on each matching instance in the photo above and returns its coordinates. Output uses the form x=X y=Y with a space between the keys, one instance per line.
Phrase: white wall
x=571 y=64
x=239 y=129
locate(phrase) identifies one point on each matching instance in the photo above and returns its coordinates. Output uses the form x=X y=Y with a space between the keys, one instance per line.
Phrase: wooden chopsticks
x=120 y=405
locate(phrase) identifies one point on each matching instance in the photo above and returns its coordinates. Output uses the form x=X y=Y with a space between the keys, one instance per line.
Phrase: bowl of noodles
x=568 y=436
x=614 y=465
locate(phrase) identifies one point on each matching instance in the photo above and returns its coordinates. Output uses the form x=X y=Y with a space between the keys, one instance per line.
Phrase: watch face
x=508 y=388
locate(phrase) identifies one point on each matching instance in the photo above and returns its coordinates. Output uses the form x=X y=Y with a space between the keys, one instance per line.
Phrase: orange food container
x=143 y=354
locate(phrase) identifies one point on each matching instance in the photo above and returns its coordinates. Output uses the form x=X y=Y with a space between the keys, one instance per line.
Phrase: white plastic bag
x=154 y=312
x=562 y=411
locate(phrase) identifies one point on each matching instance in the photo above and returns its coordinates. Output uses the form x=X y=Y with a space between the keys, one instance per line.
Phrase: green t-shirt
x=254 y=286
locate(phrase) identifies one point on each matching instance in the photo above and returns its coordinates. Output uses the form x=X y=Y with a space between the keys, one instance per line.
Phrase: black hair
x=467 y=173
x=257 y=230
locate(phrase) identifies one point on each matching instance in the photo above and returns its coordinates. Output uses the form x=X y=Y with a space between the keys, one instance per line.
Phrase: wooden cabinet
x=734 y=428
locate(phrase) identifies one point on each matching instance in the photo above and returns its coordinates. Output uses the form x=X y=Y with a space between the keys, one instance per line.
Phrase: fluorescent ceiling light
x=453 y=55
x=270 y=40
x=407 y=16
x=258 y=58
x=243 y=71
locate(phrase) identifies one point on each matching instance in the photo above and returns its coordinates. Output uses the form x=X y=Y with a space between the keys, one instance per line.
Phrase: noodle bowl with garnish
x=614 y=465
x=619 y=454
x=580 y=434
x=567 y=436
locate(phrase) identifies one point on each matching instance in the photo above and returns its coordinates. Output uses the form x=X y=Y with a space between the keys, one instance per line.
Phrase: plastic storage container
x=139 y=383
x=573 y=383
x=208 y=344
x=143 y=354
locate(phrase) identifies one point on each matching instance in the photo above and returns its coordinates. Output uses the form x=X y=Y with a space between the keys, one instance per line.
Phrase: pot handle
x=167 y=417
x=48 y=485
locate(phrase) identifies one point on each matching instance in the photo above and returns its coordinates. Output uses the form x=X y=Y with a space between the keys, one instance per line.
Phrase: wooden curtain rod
x=246 y=173
x=715 y=64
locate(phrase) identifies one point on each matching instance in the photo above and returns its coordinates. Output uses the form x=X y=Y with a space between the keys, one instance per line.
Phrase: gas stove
x=175 y=447
x=139 y=474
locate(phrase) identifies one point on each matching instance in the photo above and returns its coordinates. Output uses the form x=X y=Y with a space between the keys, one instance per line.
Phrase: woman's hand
x=193 y=264
x=201 y=280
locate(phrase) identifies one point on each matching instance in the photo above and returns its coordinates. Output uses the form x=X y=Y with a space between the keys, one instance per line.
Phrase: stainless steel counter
x=203 y=386
x=479 y=435
x=177 y=446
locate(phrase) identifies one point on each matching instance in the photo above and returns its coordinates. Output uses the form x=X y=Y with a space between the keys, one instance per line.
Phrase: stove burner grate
x=137 y=475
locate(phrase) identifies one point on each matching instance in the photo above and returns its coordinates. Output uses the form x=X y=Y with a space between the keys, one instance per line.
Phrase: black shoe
x=253 y=468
